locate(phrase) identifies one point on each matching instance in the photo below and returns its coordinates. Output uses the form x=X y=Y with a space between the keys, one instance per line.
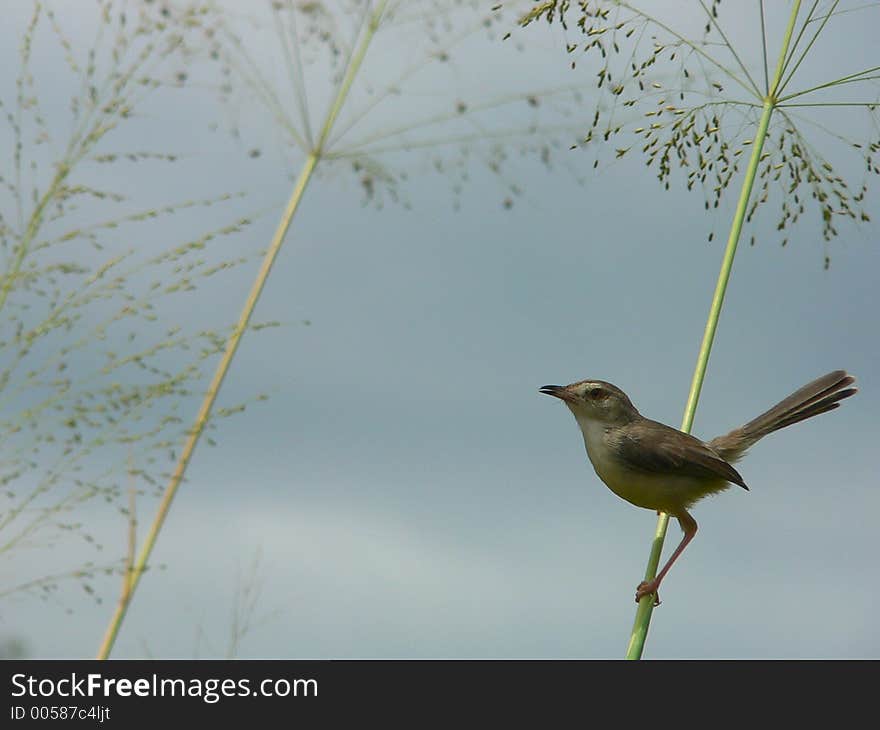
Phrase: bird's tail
x=823 y=394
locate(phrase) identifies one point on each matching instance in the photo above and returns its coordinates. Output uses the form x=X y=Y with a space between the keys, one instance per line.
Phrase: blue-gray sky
x=407 y=489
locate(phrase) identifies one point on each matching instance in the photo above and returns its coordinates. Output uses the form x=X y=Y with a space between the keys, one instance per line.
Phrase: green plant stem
x=646 y=605
x=136 y=570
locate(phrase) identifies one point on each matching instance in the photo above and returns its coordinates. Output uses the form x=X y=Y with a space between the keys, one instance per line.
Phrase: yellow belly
x=671 y=494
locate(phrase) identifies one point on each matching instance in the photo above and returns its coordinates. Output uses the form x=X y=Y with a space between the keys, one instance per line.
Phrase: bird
x=657 y=467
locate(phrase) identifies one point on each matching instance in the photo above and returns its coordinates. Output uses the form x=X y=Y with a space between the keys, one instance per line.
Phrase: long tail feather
x=820 y=396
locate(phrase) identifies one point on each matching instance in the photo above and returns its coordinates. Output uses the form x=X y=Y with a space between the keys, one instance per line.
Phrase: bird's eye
x=597 y=394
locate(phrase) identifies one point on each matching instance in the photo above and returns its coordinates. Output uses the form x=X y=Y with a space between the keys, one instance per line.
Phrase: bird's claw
x=645 y=588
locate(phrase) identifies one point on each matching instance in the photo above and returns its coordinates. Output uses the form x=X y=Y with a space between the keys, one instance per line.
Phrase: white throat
x=594 y=437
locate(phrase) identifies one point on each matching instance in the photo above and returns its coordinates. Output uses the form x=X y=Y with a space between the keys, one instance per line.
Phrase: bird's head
x=594 y=401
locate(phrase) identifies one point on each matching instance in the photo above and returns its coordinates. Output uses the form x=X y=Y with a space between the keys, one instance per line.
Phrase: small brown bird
x=661 y=468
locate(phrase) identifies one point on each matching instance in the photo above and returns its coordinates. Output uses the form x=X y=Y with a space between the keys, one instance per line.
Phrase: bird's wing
x=654 y=447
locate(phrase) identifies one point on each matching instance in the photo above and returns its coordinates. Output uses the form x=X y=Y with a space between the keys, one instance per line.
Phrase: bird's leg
x=646 y=587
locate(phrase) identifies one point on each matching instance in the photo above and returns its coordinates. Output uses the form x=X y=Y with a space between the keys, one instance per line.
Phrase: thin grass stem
x=794 y=46
x=694 y=47
x=865 y=75
x=807 y=49
x=204 y=412
x=232 y=344
x=829 y=103
x=717 y=25
x=289 y=43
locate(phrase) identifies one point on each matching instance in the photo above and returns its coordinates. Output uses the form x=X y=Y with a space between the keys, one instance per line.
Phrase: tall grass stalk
x=646 y=604
x=204 y=412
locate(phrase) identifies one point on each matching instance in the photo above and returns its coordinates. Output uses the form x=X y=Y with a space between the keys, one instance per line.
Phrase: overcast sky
x=406 y=491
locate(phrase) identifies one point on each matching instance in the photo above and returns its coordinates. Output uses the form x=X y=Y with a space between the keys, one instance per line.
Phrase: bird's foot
x=647 y=587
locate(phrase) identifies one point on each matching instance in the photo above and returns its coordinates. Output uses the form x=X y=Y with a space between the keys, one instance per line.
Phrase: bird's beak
x=557 y=391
